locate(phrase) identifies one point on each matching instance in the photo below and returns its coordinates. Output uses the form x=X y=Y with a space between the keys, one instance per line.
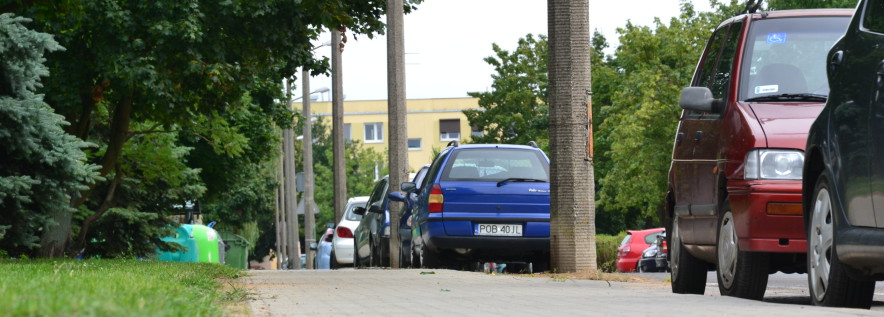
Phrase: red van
x=734 y=201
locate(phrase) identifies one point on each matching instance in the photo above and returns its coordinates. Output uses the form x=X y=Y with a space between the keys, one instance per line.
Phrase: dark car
x=844 y=170
x=662 y=257
x=406 y=258
x=371 y=239
x=734 y=200
x=648 y=261
x=483 y=203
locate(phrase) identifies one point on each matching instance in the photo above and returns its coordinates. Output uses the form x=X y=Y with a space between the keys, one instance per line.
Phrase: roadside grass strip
x=114 y=288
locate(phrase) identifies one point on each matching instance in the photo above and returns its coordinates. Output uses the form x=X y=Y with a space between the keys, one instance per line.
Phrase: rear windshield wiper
x=516 y=179
x=790 y=97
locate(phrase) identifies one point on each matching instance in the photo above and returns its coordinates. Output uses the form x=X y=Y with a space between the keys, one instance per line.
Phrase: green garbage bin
x=238 y=254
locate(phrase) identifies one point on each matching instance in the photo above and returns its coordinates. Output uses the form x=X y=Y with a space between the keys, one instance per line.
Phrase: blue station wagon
x=482 y=203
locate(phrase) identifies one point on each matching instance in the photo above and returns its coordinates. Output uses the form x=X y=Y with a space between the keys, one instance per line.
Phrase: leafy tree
x=174 y=64
x=654 y=63
x=360 y=170
x=40 y=164
x=809 y=4
x=515 y=110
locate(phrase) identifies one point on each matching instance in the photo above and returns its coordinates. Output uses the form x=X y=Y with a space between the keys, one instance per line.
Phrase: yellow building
x=431 y=123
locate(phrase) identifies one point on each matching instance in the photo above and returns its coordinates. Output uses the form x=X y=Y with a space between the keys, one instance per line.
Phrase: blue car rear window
x=495 y=164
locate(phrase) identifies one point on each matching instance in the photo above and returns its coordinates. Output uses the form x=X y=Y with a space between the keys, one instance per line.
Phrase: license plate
x=507 y=230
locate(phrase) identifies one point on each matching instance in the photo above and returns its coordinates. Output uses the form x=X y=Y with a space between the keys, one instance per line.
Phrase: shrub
x=606 y=251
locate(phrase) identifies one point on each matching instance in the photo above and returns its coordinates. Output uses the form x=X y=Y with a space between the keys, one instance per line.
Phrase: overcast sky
x=446 y=40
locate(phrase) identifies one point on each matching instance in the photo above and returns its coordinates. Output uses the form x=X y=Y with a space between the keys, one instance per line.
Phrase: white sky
x=447 y=40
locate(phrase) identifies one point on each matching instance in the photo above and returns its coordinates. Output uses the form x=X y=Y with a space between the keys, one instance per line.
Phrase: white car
x=342 y=249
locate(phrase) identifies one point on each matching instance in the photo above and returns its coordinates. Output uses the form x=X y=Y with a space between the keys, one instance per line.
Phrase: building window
x=374 y=132
x=414 y=144
x=476 y=132
x=347 y=132
x=449 y=129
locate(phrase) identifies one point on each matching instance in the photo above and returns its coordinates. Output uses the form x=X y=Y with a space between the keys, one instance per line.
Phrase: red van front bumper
x=767 y=215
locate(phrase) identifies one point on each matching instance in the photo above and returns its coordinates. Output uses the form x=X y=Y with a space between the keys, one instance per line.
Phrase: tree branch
x=119 y=134
x=105 y=206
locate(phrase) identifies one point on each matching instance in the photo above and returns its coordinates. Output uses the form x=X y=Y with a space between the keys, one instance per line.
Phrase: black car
x=371 y=239
x=409 y=197
x=662 y=258
x=843 y=183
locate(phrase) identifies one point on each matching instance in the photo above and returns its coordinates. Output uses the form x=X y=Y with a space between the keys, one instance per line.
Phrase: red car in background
x=630 y=249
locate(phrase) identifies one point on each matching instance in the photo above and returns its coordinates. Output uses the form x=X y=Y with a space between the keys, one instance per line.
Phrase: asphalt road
x=781 y=288
x=385 y=292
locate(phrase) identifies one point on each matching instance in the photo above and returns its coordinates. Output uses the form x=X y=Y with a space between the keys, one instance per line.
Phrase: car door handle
x=698 y=135
x=679 y=137
x=836 y=60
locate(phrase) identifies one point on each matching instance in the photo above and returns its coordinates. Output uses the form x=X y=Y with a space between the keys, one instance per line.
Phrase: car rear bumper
x=495 y=245
x=759 y=229
x=862 y=248
x=625 y=265
x=343 y=249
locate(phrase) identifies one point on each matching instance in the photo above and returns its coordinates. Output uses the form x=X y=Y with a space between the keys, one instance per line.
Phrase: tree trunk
x=105 y=206
x=398 y=137
x=572 y=207
x=56 y=237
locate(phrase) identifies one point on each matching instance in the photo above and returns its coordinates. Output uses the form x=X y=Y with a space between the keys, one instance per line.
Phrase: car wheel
x=429 y=259
x=373 y=259
x=415 y=259
x=827 y=277
x=357 y=261
x=688 y=273
x=333 y=261
x=740 y=274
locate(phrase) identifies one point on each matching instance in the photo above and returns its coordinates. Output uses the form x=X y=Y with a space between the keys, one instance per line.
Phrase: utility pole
x=398 y=137
x=309 y=220
x=291 y=205
x=572 y=194
x=281 y=237
x=339 y=158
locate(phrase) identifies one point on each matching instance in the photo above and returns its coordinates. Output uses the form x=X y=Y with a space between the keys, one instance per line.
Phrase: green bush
x=606 y=251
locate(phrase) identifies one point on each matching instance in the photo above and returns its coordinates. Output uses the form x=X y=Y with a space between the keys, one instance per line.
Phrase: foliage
x=635 y=107
x=360 y=165
x=606 y=250
x=515 y=110
x=809 y=4
x=179 y=67
x=40 y=165
x=636 y=130
x=112 y=288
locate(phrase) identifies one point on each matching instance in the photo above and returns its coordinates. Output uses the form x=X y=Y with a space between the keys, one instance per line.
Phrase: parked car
x=734 y=200
x=662 y=258
x=323 y=249
x=844 y=169
x=342 y=244
x=648 y=260
x=371 y=239
x=409 y=198
x=630 y=250
x=482 y=203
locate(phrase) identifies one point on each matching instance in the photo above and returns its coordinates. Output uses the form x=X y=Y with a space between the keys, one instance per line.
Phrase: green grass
x=114 y=288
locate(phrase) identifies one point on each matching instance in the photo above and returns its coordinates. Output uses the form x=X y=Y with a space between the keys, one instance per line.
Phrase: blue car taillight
x=436 y=199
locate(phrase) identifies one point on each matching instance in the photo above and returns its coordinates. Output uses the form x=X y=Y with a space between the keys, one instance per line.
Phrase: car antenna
x=453 y=143
x=533 y=144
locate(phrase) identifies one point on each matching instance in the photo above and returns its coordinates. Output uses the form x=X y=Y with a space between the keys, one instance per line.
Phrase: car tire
x=333 y=261
x=373 y=259
x=740 y=274
x=688 y=273
x=835 y=288
x=357 y=261
x=429 y=259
